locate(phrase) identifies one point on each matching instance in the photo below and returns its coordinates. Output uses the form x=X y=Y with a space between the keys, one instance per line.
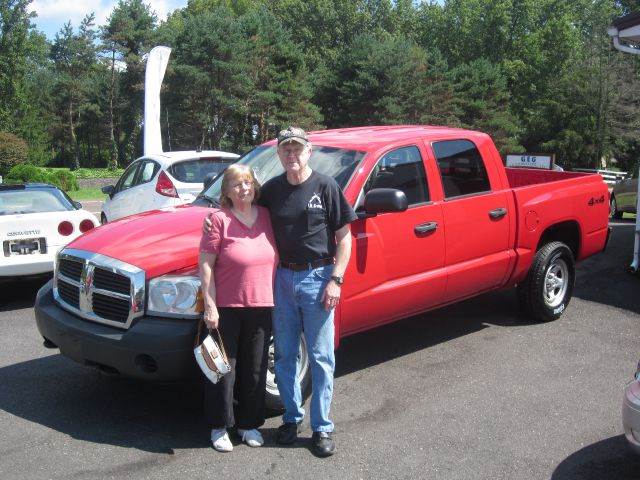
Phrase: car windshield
x=194 y=171
x=338 y=163
x=33 y=201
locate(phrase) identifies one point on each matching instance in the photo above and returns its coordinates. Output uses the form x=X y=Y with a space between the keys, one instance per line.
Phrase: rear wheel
x=547 y=290
x=613 y=209
x=273 y=401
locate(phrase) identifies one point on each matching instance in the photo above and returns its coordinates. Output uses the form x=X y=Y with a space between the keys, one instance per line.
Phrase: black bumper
x=154 y=348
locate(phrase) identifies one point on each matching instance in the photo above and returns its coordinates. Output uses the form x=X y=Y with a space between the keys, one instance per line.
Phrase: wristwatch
x=338 y=280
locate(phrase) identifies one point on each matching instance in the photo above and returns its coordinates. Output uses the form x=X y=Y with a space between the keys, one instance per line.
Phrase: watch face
x=338 y=280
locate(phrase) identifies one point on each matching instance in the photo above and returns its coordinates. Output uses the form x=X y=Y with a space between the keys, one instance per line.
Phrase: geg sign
x=530 y=160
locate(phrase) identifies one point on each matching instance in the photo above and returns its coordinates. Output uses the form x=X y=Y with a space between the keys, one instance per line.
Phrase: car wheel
x=613 y=209
x=103 y=219
x=547 y=290
x=273 y=401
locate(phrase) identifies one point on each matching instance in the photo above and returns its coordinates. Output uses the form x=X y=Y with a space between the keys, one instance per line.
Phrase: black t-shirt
x=305 y=216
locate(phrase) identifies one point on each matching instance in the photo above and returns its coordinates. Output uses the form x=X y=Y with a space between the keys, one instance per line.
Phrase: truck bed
x=573 y=201
x=524 y=177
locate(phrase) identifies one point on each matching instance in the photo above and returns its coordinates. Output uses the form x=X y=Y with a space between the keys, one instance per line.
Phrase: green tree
x=128 y=35
x=482 y=103
x=15 y=28
x=74 y=57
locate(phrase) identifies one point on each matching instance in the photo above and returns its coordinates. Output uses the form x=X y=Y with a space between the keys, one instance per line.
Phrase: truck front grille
x=71 y=268
x=69 y=293
x=99 y=288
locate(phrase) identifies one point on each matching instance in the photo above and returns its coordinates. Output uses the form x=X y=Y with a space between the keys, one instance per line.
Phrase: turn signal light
x=65 y=228
x=165 y=186
x=86 y=225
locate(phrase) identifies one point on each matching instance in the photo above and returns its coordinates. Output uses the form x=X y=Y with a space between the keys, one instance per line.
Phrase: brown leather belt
x=307 y=266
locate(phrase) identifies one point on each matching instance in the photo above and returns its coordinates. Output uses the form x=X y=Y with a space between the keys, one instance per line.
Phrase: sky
x=53 y=14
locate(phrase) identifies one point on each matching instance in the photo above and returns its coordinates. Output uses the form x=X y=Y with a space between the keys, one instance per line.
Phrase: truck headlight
x=175 y=296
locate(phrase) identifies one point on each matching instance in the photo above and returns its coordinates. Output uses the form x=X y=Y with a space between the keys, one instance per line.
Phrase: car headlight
x=175 y=296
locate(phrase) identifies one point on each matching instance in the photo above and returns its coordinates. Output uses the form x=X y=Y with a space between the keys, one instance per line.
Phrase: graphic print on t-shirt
x=315 y=202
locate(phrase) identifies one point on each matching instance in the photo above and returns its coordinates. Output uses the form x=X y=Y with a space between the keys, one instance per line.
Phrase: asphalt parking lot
x=471 y=391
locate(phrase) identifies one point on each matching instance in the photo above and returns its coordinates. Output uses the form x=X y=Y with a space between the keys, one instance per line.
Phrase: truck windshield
x=338 y=163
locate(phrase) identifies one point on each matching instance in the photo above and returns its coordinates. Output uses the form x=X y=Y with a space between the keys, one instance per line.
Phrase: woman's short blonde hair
x=233 y=173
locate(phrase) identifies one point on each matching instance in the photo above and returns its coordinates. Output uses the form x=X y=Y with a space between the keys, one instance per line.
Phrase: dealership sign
x=530 y=160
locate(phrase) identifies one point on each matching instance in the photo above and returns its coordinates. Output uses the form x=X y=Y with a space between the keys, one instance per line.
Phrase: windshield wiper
x=212 y=201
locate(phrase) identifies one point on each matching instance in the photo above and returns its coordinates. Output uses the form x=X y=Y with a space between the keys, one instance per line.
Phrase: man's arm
x=331 y=294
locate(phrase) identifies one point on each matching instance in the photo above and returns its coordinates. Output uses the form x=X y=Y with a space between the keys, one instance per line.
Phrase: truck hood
x=158 y=242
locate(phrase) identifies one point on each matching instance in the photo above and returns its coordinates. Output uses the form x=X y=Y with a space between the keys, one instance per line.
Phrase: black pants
x=245 y=332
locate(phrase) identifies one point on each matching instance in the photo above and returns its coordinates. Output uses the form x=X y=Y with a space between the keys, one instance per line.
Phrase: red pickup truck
x=440 y=220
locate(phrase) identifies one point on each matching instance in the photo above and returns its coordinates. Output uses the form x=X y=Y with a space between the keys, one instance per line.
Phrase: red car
x=440 y=220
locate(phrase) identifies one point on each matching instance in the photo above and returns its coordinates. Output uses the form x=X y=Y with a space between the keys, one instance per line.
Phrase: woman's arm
x=208 y=286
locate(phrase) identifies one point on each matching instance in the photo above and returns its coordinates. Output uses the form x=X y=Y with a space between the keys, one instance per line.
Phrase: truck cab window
x=402 y=169
x=461 y=168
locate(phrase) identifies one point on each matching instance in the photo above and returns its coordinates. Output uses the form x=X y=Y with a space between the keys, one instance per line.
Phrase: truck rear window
x=461 y=168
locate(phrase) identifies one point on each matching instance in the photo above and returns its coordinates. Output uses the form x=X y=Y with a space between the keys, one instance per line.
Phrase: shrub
x=13 y=151
x=67 y=179
x=61 y=178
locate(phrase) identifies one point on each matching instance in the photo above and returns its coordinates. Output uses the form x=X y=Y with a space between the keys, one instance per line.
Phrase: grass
x=87 y=194
x=91 y=172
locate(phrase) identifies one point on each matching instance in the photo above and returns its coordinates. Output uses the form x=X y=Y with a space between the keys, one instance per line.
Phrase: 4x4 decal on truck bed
x=595 y=201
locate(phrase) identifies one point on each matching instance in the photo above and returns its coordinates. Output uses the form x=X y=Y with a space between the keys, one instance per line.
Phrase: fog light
x=146 y=363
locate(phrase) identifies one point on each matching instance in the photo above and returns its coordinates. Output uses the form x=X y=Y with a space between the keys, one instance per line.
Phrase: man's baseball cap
x=293 y=134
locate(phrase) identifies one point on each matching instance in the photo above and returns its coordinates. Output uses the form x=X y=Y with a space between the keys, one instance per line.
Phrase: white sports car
x=37 y=220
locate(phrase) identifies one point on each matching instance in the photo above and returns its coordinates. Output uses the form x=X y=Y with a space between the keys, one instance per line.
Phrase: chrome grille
x=110 y=308
x=70 y=268
x=69 y=293
x=106 y=280
x=99 y=288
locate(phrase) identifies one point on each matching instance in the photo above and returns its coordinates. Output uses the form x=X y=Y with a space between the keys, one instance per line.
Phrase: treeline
x=539 y=75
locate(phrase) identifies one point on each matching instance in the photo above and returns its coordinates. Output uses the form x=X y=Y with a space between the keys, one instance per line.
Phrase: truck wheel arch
x=567 y=232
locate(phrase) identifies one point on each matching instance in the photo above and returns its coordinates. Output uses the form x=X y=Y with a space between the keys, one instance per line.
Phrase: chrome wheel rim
x=301 y=368
x=556 y=282
x=612 y=207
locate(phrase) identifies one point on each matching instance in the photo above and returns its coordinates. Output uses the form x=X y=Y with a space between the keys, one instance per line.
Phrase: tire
x=613 y=209
x=273 y=401
x=547 y=290
x=103 y=219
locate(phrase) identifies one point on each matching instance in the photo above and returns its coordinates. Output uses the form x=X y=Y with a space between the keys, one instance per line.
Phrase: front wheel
x=547 y=290
x=273 y=401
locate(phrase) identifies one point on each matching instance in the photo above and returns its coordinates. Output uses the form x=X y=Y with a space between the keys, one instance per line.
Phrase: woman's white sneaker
x=220 y=440
x=253 y=437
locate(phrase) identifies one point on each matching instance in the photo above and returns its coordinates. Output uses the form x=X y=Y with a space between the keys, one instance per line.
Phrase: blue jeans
x=298 y=309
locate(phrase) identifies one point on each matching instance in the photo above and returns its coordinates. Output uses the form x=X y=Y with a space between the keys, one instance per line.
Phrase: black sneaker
x=323 y=444
x=287 y=433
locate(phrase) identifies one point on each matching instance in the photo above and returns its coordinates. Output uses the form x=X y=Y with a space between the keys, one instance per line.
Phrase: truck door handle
x=426 y=227
x=498 y=213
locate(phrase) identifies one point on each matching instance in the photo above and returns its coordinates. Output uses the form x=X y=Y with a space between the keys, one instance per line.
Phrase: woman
x=237 y=266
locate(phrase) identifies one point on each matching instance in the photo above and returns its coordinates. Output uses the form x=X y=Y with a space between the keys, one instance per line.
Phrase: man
x=310 y=218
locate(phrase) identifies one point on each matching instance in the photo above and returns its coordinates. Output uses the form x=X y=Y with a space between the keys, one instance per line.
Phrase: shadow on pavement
x=20 y=293
x=54 y=392
x=604 y=279
x=416 y=333
x=611 y=458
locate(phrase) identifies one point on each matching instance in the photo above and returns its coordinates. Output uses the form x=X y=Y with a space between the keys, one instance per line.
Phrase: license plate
x=25 y=246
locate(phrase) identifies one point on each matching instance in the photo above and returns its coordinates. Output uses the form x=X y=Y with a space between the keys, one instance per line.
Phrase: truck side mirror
x=382 y=200
x=108 y=190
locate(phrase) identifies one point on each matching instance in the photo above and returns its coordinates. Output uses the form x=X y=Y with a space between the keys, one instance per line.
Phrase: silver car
x=624 y=196
x=631 y=412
